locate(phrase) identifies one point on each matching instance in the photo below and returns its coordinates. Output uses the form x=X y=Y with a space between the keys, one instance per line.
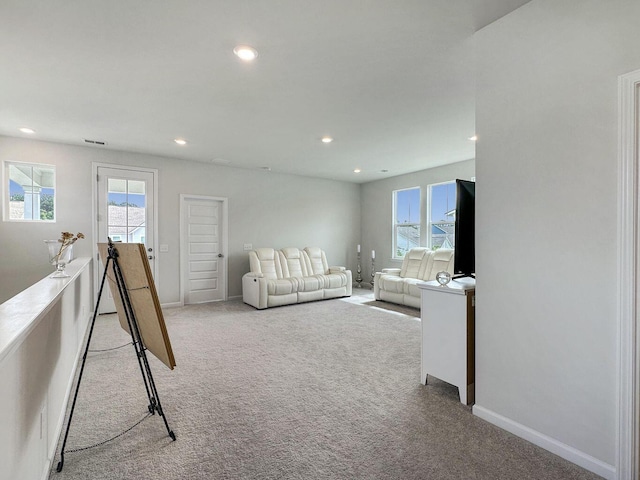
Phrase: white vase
x=59 y=258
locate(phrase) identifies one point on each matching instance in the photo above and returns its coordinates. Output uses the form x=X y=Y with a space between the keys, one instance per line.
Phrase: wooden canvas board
x=136 y=272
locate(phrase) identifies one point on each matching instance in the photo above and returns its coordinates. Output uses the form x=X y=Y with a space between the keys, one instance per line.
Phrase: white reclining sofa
x=291 y=275
x=399 y=285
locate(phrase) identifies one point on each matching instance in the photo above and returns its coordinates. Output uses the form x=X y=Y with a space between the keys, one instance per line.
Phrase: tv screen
x=465 y=247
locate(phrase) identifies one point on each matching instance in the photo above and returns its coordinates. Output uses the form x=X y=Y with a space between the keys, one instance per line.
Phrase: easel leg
x=84 y=360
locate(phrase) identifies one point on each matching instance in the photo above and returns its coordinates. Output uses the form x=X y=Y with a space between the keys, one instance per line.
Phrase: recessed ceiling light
x=357 y=170
x=180 y=141
x=327 y=139
x=245 y=52
x=27 y=130
x=474 y=138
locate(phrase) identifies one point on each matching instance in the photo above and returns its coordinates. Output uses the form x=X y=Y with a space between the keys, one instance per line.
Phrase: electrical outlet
x=247 y=247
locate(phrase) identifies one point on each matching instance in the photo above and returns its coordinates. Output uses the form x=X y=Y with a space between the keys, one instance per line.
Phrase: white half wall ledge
x=544 y=441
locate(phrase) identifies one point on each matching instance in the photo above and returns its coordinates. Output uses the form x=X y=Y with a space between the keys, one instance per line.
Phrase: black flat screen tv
x=464 y=257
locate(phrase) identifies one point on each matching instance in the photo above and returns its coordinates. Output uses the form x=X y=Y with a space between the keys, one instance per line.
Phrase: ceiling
x=391 y=81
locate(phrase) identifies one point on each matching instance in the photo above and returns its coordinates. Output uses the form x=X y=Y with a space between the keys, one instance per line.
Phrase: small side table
x=448 y=334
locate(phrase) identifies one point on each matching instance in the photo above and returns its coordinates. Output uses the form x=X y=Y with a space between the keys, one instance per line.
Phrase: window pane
x=406 y=220
x=442 y=235
x=47 y=199
x=135 y=216
x=407 y=237
x=31 y=191
x=16 y=199
x=115 y=234
x=136 y=191
x=442 y=215
x=137 y=235
x=127 y=212
x=443 y=202
x=408 y=206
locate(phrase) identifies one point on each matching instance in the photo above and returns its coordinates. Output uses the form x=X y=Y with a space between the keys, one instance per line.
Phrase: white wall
x=377 y=208
x=546 y=219
x=265 y=209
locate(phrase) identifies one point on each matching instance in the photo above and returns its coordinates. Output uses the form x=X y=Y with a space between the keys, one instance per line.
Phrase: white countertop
x=20 y=314
x=458 y=286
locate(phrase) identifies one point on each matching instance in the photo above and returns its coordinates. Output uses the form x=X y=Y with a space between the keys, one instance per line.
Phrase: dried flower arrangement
x=65 y=240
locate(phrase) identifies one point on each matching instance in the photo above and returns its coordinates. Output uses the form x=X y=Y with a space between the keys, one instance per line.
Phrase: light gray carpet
x=324 y=390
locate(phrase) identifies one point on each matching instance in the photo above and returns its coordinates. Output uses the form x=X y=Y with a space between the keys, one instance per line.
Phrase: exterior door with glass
x=126 y=212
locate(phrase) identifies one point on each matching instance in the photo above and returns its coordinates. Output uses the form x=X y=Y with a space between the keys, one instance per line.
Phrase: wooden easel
x=140 y=315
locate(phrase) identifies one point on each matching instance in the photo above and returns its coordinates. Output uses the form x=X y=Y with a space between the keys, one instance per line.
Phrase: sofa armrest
x=336 y=269
x=254 y=290
x=391 y=271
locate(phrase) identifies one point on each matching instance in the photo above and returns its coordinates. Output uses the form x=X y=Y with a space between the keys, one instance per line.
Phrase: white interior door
x=203 y=254
x=126 y=211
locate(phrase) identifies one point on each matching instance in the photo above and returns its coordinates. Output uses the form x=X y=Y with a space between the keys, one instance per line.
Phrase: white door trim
x=94 y=206
x=628 y=246
x=225 y=240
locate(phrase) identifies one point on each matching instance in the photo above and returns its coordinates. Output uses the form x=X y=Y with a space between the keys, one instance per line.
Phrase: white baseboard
x=554 y=446
x=172 y=305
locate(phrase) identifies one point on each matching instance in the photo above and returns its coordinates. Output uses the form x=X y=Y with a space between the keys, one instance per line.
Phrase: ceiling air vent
x=94 y=142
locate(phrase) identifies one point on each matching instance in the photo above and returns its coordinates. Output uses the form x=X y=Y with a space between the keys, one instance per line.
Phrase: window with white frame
x=406 y=220
x=441 y=215
x=29 y=192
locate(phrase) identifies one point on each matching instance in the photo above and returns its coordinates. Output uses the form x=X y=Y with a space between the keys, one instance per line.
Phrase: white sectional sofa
x=291 y=275
x=398 y=285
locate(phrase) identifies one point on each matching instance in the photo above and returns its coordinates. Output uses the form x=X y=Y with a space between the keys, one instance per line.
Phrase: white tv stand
x=448 y=334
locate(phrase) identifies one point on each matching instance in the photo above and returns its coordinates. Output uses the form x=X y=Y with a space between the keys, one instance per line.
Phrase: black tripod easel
x=138 y=345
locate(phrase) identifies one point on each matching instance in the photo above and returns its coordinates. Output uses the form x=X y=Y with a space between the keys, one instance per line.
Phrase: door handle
x=220 y=255
x=150 y=257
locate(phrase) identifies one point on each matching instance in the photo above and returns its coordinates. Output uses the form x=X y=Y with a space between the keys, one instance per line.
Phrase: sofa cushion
x=282 y=286
x=317 y=261
x=440 y=260
x=411 y=287
x=293 y=263
x=311 y=284
x=412 y=264
x=265 y=261
x=391 y=283
x=335 y=280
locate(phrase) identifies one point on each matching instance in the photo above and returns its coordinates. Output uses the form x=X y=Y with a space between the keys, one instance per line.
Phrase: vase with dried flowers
x=60 y=252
